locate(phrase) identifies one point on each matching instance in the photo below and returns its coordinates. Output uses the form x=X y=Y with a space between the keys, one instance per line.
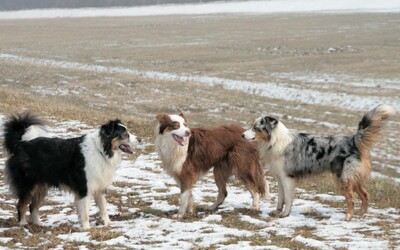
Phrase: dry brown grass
x=382 y=193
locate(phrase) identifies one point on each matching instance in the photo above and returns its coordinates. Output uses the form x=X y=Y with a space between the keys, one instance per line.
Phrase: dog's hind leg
x=100 y=199
x=363 y=193
x=38 y=196
x=347 y=188
x=289 y=185
x=222 y=172
x=22 y=205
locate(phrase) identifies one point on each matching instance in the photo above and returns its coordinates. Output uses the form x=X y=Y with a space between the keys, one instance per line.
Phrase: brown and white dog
x=289 y=155
x=187 y=154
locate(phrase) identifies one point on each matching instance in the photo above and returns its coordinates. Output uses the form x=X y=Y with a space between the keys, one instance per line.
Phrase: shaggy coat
x=189 y=154
x=84 y=165
x=289 y=155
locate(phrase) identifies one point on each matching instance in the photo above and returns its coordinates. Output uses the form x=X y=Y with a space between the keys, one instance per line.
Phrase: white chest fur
x=171 y=154
x=99 y=168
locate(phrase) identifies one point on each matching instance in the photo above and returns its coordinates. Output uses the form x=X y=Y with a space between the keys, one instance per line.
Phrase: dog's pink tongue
x=126 y=148
x=179 y=140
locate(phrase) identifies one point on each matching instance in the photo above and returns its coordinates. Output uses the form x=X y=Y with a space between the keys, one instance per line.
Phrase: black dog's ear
x=106 y=129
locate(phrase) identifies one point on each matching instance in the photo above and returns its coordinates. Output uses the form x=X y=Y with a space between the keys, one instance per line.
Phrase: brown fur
x=224 y=149
x=220 y=147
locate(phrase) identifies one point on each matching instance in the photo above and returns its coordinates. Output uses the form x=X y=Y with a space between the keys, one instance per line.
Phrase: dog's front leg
x=288 y=190
x=100 y=199
x=83 y=211
x=281 y=198
x=184 y=203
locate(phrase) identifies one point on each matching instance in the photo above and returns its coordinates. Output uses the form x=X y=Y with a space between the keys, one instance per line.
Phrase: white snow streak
x=250 y=7
x=268 y=89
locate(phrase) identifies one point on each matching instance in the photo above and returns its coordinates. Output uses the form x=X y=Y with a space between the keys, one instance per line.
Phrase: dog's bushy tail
x=16 y=126
x=262 y=184
x=369 y=127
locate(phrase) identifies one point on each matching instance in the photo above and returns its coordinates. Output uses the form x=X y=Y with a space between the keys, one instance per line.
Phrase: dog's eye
x=256 y=129
x=176 y=125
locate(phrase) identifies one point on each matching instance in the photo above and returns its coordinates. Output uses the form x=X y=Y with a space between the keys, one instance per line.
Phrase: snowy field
x=143 y=199
x=254 y=7
x=269 y=89
x=317 y=65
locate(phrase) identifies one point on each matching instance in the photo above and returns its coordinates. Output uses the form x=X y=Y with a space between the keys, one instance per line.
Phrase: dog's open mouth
x=179 y=140
x=126 y=148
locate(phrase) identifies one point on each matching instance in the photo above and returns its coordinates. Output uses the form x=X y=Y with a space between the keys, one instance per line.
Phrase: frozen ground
x=269 y=89
x=255 y=7
x=317 y=71
x=143 y=199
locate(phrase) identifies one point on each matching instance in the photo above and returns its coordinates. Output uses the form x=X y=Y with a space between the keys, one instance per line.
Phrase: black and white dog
x=289 y=155
x=84 y=165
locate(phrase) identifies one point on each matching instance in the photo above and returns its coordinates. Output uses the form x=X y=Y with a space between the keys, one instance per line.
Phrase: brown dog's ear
x=164 y=121
x=183 y=116
x=161 y=117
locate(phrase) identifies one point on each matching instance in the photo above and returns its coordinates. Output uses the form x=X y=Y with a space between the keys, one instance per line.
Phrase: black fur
x=110 y=131
x=15 y=127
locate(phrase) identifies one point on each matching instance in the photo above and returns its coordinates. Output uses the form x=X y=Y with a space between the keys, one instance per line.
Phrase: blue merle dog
x=289 y=155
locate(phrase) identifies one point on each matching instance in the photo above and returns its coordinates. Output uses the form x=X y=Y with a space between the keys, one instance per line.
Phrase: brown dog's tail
x=369 y=127
x=262 y=185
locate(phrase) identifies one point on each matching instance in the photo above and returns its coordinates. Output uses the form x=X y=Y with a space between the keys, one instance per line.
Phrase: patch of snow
x=311 y=242
x=77 y=236
x=239 y=7
x=269 y=89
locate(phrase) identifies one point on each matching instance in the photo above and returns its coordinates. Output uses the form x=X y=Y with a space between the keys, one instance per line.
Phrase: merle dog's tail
x=21 y=125
x=369 y=127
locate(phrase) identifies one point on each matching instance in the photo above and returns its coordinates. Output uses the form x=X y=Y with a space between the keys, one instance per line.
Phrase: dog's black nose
x=139 y=139
x=243 y=136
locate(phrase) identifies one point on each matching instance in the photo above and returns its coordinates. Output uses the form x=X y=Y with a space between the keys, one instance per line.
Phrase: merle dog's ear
x=273 y=122
x=270 y=121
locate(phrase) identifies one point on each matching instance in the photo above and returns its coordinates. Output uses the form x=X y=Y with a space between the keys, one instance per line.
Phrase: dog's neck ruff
x=171 y=153
x=99 y=167
x=93 y=139
x=280 y=138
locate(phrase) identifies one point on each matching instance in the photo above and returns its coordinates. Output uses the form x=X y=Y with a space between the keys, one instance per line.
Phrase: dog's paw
x=211 y=208
x=348 y=217
x=107 y=222
x=177 y=216
x=255 y=207
x=284 y=214
x=85 y=226
x=23 y=223
x=276 y=212
x=38 y=223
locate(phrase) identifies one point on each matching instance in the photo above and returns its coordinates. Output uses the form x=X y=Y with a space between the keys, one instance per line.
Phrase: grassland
x=332 y=53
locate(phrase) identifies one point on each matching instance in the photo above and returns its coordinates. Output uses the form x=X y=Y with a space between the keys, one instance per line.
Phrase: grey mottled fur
x=289 y=155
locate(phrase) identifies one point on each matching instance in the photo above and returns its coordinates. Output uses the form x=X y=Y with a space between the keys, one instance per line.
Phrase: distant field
x=317 y=73
x=320 y=72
